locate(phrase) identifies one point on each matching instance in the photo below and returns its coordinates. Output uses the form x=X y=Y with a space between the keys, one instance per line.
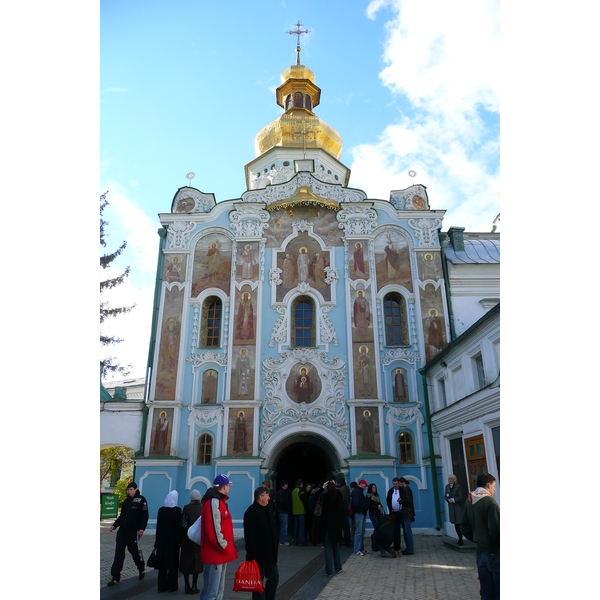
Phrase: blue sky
x=186 y=86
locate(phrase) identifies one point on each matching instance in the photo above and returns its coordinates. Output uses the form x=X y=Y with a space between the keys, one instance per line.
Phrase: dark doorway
x=303 y=460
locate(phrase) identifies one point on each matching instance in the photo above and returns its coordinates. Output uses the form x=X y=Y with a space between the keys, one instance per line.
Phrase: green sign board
x=110 y=506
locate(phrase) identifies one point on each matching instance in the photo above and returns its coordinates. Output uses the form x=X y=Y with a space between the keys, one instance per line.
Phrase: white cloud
x=442 y=59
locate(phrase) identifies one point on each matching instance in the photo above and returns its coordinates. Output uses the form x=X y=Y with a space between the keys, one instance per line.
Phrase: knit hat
x=362 y=481
x=195 y=496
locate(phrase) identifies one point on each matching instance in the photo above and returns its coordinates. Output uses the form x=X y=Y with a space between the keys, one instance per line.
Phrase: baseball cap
x=221 y=480
x=362 y=481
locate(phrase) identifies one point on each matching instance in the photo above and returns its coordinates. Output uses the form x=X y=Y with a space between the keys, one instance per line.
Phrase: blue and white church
x=291 y=325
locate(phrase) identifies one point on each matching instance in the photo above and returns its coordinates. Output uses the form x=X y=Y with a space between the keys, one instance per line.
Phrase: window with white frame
x=478 y=371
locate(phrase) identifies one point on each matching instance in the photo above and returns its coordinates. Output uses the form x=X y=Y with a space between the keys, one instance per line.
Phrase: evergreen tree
x=106 y=311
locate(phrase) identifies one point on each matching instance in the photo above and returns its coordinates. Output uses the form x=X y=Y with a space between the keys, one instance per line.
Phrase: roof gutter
x=442 y=237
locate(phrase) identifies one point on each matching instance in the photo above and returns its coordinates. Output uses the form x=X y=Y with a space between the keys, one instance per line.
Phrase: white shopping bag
x=194 y=531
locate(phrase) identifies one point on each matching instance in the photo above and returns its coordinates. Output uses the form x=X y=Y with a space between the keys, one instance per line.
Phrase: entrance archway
x=304 y=460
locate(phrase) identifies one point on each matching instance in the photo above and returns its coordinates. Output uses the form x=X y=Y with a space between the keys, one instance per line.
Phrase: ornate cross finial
x=298 y=32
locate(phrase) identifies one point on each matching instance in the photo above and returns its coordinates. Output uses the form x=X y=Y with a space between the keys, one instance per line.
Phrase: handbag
x=194 y=531
x=319 y=507
x=153 y=559
x=247 y=578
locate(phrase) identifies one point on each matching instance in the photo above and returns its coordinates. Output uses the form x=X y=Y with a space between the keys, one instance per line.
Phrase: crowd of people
x=327 y=514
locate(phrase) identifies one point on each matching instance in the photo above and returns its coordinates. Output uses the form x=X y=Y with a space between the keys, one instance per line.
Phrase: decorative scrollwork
x=426 y=231
x=178 y=234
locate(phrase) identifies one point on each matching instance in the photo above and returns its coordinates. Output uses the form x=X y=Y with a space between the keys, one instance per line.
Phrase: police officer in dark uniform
x=131 y=523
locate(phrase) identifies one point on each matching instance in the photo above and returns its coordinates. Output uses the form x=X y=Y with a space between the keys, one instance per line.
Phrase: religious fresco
x=303 y=383
x=240 y=431
x=185 y=205
x=212 y=263
x=367 y=430
x=392 y=260
x=168 y=351
x=434 y=325
x=429 y=265
x=358 y=251
x=161 y=431
x=242 y=374
x=303 y=261
x=247 y=266
x=362 y=316
x=400 y=385
x=324 y=222
x=244 y=323
x=365 y=370
x=210 y=380
x=174 y=268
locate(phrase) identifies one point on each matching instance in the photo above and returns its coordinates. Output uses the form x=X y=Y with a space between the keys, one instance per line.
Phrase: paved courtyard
x=435 y=571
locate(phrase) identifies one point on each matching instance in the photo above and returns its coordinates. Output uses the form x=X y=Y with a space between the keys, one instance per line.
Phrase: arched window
x=298 y=99
x=288 y=102
x=307 y=102
x=406 y=448
x=396 y=322
x=303 y=322
x=210 y=336
x=205 y=450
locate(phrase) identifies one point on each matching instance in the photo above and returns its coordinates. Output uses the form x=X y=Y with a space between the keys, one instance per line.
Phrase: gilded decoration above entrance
x=304 y=188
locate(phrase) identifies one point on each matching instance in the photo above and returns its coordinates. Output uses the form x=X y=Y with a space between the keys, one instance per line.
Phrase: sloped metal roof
x=477 y=251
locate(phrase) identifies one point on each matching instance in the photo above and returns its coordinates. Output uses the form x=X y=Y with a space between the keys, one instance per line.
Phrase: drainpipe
x=436 y=497
x=162 y=232
x=442 y=237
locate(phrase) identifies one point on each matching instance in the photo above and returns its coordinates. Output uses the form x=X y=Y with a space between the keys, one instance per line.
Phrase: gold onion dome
x=298 y=126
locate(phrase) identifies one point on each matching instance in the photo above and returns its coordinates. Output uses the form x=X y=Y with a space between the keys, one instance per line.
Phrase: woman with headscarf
x=168 y=540
x=190 y=563
x=455 y=498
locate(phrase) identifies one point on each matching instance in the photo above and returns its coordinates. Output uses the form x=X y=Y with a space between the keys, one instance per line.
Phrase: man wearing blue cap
x=217 y=547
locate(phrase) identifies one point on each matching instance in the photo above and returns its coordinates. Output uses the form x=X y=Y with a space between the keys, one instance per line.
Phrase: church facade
x=291 y=324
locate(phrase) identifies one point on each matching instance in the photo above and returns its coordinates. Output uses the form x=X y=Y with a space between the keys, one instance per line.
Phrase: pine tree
x=106 y=311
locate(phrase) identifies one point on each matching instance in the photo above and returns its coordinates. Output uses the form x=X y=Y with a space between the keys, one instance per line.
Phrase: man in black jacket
x=283 y=502
x=408 y=515
x=395 y=508
x=260 y=535
x=131 y=523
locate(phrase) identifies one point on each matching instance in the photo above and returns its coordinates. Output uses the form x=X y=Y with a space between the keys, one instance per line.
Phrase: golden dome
x=299 y=127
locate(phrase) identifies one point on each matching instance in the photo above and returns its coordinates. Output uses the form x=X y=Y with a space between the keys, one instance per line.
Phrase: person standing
x=131 y=524
x=408 y=515
x=360 y=507
x=395 y=509
x=167 y=542
x=329 y=527
x=190 y=563
x=345 y=492
x=217 y=547
x=455 y=498
x=374 y=509
x=260 y=535
x=481 y=524
x=284 y=506
x=299 y=512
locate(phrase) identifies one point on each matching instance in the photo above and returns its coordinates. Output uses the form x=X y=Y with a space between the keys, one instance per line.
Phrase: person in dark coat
x=190 y=563
x=345 y=491
x=131 y=524
x=383 y=536
x=168 y=540
x=408 y=515
x=315 y=520
x=455 y=498
x=283 y=502
x=330 y=530
x=262 y=545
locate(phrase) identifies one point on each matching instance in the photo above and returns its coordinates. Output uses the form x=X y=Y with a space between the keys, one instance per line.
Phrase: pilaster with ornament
x=279 y=332
x=357 y=220
x=326 y=327
x=426 y=231
x=249 y=221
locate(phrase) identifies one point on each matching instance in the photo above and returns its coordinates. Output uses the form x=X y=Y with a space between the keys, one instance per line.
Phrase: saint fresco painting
x=247 y=265
x=174 y=268
x=323 y=220
x=367 y=430
x=303 y=260
x=242 y=375
x=303 y=383
x=212 y=264
x=400 y=385
x=392 y=260
x=210 y=379
x=365 y=370
x=168 y=351
x=240 y=431
x=429 y=265
x=434 y=324
x=358 y=252
x=160 y=436
x=244 y=324
x=362 y=316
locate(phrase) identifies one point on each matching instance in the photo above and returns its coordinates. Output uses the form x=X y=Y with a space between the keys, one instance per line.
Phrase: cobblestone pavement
x=433 y=572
